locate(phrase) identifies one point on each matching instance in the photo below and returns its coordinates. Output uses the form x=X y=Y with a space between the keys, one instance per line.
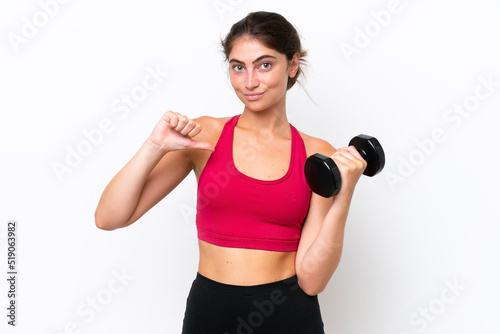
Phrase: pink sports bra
x=235 y=210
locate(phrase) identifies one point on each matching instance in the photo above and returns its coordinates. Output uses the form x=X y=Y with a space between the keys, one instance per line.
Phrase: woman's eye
x=238 y=68
x=266 y=66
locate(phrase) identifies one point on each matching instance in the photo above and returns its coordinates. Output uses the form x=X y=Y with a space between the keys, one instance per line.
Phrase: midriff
x=240 y=266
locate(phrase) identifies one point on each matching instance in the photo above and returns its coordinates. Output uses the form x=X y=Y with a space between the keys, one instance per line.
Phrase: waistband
x=287 y=283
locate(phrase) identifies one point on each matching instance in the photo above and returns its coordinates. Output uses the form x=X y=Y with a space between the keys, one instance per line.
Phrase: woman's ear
x=294 y=65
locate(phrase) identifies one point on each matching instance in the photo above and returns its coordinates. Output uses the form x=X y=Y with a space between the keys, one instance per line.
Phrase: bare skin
x=261 y=149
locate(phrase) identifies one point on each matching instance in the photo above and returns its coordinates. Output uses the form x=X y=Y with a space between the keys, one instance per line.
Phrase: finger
x=195 y=130
x=343 y=155
x=340 y=157
x=182 y=122
x=201 y=145
x=350 y=152
x=171 y=118
x=356 y=157
x=346 y=159
x=354 y=152
x=188 y=128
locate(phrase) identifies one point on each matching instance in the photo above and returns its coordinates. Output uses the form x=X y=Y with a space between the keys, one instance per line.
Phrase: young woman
x=267 y=244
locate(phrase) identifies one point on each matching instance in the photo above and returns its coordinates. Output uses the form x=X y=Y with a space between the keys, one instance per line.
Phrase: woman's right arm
x=156 y=169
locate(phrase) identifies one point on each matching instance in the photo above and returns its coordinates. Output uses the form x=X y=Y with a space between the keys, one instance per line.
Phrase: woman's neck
x=271 y=120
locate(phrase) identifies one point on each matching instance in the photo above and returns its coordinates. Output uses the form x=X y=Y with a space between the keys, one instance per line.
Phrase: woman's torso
x=263 y=157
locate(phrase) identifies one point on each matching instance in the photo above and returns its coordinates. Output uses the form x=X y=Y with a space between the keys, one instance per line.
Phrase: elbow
x=102 y=223
x=312 y=291
x=310 y=287
x=108 y=222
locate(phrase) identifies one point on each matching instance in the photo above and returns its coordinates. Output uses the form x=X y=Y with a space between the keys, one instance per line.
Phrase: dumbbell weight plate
x=322 y=175
x=371 y=150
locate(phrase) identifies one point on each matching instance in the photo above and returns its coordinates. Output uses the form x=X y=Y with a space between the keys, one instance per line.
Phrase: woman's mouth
x=253 y=96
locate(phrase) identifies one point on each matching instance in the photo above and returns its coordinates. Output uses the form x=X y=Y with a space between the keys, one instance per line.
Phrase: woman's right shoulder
x=212 y=122
x=211 y=128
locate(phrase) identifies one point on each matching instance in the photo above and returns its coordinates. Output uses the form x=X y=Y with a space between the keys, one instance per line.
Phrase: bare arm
x=156 y=169
x=322 y=238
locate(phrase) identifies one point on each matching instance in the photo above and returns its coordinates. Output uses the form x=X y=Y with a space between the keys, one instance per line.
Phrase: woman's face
x=259 y=75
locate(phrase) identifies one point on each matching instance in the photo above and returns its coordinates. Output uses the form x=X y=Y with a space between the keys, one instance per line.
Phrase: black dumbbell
x=323 y=176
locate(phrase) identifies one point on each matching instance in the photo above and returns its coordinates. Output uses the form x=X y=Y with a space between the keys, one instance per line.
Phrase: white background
x=428 y=222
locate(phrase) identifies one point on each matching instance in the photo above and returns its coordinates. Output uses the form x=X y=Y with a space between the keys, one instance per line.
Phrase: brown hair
x=272 y=30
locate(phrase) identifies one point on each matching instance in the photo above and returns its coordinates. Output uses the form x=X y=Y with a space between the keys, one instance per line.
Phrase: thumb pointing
x=201 y=145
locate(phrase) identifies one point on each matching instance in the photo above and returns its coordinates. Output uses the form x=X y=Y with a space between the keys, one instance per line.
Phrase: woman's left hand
x=351 y=166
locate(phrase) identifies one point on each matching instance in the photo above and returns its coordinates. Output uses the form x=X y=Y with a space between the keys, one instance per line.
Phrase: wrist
x=151 y=146
x=343 y=198
x=152 y=151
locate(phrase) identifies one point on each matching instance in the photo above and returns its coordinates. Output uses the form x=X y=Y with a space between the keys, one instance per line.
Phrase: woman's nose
x=252 y=81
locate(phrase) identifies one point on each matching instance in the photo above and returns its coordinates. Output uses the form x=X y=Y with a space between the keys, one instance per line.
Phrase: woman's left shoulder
x=316 y=145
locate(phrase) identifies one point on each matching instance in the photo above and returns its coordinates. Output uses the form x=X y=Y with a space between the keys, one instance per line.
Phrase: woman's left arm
x=322 y=238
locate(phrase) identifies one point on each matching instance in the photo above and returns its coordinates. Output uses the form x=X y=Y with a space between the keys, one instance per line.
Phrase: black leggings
x=272 y=308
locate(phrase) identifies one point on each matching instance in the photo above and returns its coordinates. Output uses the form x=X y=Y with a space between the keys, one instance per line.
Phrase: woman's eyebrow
x=255 y=61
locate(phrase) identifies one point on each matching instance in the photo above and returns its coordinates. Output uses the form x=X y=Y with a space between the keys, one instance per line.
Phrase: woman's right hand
x=175 y=131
